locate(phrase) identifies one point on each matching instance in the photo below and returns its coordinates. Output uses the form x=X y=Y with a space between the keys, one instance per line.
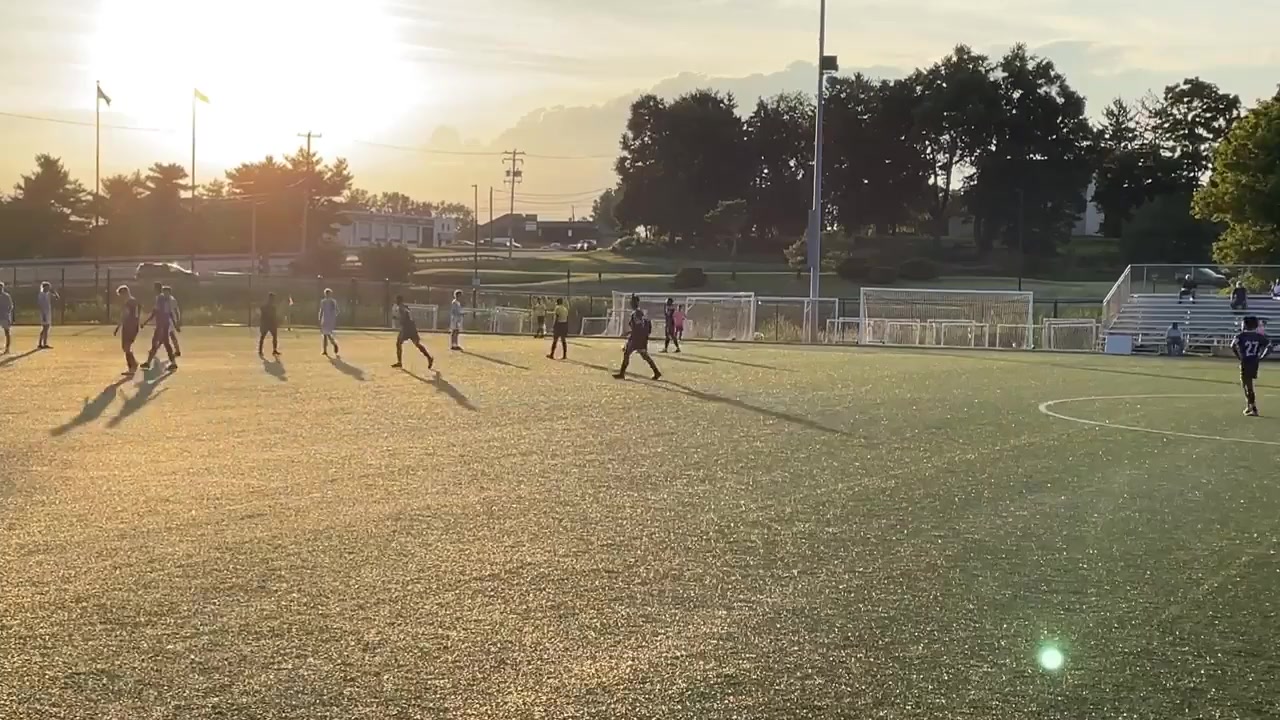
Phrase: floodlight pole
x=813 y=246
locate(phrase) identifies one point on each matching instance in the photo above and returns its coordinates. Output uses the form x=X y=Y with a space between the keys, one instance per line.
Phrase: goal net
x=511 y=321
x=946 y=318
x=596 y=326
x=708 y=316
x=1070 y=335
x=424 y=316
x=842 y=330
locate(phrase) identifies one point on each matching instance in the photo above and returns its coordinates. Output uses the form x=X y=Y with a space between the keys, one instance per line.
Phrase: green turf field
x=767 y=533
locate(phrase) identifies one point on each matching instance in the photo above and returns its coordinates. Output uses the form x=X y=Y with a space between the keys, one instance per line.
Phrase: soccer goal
x=708 y=316
x=511 y=321
x=596 y=326
x=945 y=318
x=424 y=316
x=1070 y=335
x=842 y=330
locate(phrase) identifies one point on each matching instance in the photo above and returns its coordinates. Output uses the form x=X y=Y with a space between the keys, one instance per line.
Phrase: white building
x=361 y=229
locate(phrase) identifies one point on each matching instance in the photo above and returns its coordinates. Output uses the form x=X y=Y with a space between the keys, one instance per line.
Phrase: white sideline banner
x=1118 y=345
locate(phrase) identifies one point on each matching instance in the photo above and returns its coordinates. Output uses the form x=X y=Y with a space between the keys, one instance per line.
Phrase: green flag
x=199 y=96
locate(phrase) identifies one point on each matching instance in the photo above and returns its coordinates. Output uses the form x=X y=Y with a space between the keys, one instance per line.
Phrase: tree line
x=150 y=212
x=1003 y=142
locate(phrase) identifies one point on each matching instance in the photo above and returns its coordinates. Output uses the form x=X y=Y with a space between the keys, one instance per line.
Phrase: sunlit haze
x=551 y=77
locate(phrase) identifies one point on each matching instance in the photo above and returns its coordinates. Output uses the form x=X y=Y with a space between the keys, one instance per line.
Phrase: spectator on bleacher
x=1173 y=341
x=1275 y=291
x=1239 y=297
x=1188 y=290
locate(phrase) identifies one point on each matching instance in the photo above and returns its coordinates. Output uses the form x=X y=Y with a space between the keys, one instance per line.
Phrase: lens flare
x=1051 y=659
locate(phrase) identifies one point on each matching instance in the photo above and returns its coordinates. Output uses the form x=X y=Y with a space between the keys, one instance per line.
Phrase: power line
x=430 y=151
x=569 y=195
x=82 y=123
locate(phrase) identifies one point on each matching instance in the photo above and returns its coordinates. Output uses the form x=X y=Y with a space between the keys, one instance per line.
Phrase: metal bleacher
x=1206 y=324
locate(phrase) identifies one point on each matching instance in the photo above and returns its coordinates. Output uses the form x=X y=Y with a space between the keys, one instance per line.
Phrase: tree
x=1164 y=228
x=679 y=160
x=46 y=217
x=324 y=259
x=122 y=217
x=282 y=189
x=387 y=262
x=1244 y=191
x=780 y=145
x=959 y=104
x=1039 y=163
x=602 y=212
x=728 y=220
x=168 y=225
x=1192 y=117
x=1122 y=177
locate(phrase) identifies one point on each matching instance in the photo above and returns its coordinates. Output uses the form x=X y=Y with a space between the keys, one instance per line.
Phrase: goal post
x=946 y=318
x=708 y=316
x=424 y=316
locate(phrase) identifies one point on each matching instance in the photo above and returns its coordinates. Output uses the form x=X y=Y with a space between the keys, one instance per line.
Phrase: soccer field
x=768 y=532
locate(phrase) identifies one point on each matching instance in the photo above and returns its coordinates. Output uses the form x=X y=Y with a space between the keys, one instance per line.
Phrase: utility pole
x=490 y=216
x=475 y=241
x=514 y=159
x=306 y=202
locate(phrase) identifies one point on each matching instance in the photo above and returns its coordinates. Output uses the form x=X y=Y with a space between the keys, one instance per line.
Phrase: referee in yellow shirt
x=560 y=330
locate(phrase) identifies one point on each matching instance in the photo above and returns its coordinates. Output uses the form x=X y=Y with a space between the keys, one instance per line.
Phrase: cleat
x=173 y=366
x=397 y=365
x=552 y=356
x=657 y=376
x=619 y=376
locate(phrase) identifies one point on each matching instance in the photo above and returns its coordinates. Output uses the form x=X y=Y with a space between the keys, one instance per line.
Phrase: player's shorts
x=638 y=345
x=328 y=329
x=560 y=329
x=455 y=325
x=266 y=330
x=5 y=323
x=409 y=336
x=1248 y=371
x=46 y=319
x=127 y=337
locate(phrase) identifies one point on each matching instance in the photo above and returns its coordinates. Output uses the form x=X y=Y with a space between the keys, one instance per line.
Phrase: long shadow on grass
x=496 y=361
x=744 y=363
x=1094 y=369
x=681 y=359
x=275 y=369
x=146 y=392
x=590 y=365
x=92 y=409
x=444 y=386
x=743 y=405
x=11 y=359
x=346 y=368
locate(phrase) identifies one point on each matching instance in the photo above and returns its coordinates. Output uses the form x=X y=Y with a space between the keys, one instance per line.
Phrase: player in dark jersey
x=1250 y=346
x=128 y=328
x=269 y=324
x=669 y=329
x=408 y=333
x=638 y=329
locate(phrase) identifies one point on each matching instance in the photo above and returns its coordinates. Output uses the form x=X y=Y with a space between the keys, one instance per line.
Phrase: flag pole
x=193 y=151
x=97 y=148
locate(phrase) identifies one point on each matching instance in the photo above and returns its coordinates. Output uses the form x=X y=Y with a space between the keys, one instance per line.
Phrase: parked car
x=583 y=246
x=555 y=246
x=502 y=242
x=162 y=272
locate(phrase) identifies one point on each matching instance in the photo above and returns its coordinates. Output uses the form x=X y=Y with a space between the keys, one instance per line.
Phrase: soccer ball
x=759 y=336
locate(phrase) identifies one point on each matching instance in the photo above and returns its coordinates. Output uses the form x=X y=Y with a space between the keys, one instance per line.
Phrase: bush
x=687 y=278
x=918 y=269
x=797 y=254
x=851 y=268
x=390 y=262
x=882 y=276
x=323 y=258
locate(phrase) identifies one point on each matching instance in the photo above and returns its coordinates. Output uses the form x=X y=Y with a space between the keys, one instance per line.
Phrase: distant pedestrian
x=6 y=316
x=129 y=327
x=560 y=330
x=455 y=321
x=269 y=324
x=329 y=321
x=176 y=316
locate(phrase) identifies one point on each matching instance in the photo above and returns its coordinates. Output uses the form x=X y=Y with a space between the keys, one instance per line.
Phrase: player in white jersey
x=6 y=316
x=455 y=320
x=175 y=315
x=44 y=301
x=329 y=321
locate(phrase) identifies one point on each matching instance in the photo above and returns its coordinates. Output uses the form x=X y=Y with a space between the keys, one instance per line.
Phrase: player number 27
x=1251 y=348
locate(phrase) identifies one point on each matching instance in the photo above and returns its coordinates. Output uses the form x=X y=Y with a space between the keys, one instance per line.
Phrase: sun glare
x=271 y=68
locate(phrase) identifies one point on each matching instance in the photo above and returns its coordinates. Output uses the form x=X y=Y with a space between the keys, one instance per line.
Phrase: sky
x=380 y=80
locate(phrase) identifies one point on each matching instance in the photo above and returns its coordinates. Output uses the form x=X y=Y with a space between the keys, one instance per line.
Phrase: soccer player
x=329 y=321
x=560 y=330
x=269 y=324
x=160 y=337
x=455 y=320
x=44 y=301
x=175 y=316
x=6 y=317
x=1250 y=347
x=669 y=316
x=128 y=328
x=539 y=318
x=409 y=333
x=638 y=331
x=679 y=317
